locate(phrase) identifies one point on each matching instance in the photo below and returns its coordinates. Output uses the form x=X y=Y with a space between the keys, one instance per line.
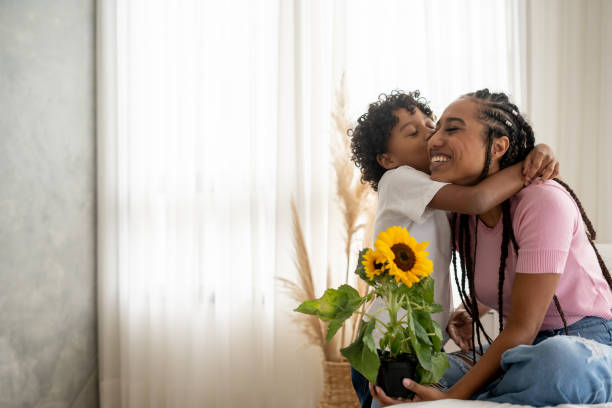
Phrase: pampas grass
x=356 y=198
x=313 y=329
x=357 y=204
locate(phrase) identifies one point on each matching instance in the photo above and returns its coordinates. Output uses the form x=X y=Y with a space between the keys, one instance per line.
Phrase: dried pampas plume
x=357 y=200
x=357 y=204
x=313 y=329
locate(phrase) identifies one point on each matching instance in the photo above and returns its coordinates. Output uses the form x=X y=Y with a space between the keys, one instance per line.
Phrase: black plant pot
x=393 y=370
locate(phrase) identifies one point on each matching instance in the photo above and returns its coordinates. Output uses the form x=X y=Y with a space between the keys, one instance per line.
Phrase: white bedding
x=451 y=403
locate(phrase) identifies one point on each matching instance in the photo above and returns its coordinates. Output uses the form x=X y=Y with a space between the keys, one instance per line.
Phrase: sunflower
x=407 y=258
x=373 y=262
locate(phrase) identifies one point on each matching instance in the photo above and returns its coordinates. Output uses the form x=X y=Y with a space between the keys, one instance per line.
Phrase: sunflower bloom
x=373 y=262
x=407 y=258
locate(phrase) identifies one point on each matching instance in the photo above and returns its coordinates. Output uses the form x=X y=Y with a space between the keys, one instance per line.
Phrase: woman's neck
x=491 y=217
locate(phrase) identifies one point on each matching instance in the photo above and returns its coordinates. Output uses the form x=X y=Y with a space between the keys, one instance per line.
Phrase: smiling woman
x=550 y=280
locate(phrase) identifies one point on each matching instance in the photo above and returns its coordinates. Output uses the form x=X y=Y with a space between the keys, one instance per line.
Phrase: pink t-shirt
x=551 y=238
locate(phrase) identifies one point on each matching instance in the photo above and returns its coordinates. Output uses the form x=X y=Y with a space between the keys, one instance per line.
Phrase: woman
x=532 y=260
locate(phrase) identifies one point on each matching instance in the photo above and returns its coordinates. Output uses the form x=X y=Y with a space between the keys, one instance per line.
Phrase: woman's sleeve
x=545 y=221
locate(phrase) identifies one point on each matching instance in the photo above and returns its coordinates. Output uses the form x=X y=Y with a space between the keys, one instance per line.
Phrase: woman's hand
x=460 y=330
x=379 y=395
x=541 y=161
x=421 y=393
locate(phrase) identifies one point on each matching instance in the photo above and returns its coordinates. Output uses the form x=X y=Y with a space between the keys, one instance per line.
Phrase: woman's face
x=407 y=143
x=457 y=149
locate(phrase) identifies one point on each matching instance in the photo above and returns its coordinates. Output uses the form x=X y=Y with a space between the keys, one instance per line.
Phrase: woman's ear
x=386 y=161
x=499 y=147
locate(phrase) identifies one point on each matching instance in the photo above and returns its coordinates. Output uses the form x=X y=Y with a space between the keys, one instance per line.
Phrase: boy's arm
x=499 y=187
x=480 y=198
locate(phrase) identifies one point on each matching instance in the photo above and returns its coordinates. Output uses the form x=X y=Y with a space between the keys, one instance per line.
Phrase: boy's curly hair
x=371 y=135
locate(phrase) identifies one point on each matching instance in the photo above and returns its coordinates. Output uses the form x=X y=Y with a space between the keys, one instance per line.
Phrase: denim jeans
x=362 y=389
x=556 y=369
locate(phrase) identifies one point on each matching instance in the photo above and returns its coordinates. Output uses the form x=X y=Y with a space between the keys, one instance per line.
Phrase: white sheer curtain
x=568 y=66
x=211 y=116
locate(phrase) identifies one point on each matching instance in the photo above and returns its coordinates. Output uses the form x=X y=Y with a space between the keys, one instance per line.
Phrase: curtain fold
x=568 y=64
x=211 y=116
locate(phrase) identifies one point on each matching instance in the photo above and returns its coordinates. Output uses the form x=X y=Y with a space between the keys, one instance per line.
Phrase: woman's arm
x=497 y=188
x=531 y=297
x=532 y=294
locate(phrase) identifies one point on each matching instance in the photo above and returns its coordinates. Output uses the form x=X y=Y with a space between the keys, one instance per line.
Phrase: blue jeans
x=362 y=389
x=556 y=369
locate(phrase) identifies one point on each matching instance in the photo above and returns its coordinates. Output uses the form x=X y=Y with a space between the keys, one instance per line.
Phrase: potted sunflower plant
x=398 y=270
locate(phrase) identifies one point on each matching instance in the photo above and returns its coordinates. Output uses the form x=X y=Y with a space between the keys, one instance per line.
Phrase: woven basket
x=337 y=387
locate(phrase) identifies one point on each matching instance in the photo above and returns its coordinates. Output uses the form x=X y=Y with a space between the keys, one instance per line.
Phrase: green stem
x=416 y=306
x=384 y=326
x=372 y=316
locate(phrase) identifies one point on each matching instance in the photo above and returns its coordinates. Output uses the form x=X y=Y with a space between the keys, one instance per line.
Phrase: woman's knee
x=559 y=369
x=558 y=359
x=576 y=353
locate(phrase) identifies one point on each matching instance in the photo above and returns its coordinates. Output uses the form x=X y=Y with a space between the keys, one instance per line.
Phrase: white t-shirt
x=403 y=196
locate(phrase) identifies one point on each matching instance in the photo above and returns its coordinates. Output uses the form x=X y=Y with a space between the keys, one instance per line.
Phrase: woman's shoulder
x=549 y=196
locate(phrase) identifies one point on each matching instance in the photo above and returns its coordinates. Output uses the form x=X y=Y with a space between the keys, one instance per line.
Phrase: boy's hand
x=460 y=330
x=541 y=162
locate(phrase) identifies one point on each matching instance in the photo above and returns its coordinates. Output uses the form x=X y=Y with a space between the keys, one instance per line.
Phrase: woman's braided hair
x=500 y=118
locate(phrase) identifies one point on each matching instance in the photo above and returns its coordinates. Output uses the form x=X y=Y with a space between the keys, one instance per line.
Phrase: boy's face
x=408 y=141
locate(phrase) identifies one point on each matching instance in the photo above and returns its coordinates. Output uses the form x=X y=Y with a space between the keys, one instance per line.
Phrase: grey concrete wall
x=48 y=354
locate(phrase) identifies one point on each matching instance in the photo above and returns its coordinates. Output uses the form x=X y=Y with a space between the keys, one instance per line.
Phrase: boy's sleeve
x=407 y=191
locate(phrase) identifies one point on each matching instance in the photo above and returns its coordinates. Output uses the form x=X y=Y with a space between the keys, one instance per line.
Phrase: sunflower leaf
x=362 y=353
x=430 y=326
x=335 y=306
x=439 y=364
x=437 y=339
x=419 y=330
x=435 y=308
x=423 y=290
x=421 y=349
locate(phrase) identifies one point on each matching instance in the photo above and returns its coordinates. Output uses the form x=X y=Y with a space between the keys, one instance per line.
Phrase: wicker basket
x=337 y=387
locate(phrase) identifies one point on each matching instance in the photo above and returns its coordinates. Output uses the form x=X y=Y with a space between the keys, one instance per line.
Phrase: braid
x=590 y=232
x=460 y=287
x=460 y=230
x=488 y=159
x=558 y=306
x=480 y=327
x=467 y=250
x=502 y=265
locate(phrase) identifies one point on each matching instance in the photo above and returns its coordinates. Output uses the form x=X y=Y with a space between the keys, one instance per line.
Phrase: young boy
x=389 y=146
